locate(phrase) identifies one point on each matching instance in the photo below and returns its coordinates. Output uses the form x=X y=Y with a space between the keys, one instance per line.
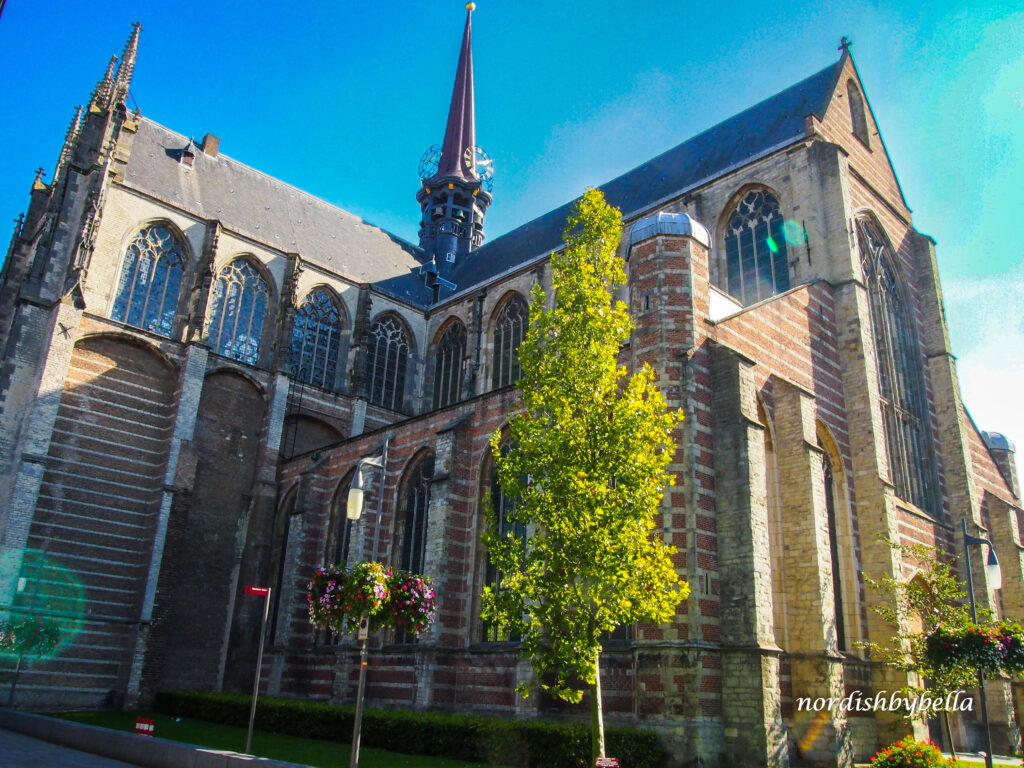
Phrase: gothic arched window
x=237 y=312
x=448 y=365
x=509 y=329
x=504 y=509
x=900 y=376
x=411 y=529
x=316 y=340
x=387 y=354
x=339 y=527
x=756 y=257
x=279 y=558
x=147 y=293
x=858 y=115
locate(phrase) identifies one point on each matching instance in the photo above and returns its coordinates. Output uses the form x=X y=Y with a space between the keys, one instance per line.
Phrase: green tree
x=934 y=597
x=587 y=471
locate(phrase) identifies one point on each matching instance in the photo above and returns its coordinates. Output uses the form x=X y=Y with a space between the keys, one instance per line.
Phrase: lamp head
x=354 y=508
x=992 y=569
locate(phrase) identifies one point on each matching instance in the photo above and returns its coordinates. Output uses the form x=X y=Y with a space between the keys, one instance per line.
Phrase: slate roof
x=271 y=211
x=763 y=128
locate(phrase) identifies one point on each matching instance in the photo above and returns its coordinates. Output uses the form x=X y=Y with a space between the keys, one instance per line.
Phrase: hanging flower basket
x=973 y=647
x=398 y=600
x=1011 y=646
x=413 y=602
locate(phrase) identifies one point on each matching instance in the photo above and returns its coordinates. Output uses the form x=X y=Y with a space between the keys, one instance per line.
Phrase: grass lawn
x=323 y=754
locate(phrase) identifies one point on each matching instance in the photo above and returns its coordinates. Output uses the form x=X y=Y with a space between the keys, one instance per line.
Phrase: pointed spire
x=123 y=80
x=100 y=98
x=459 y=147
x=69 y=142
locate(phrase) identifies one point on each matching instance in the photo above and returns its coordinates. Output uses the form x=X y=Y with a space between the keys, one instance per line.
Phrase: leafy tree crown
x=586 y=468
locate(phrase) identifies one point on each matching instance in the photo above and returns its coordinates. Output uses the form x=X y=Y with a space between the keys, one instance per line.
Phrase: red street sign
x=257 y=590
x=606 y=762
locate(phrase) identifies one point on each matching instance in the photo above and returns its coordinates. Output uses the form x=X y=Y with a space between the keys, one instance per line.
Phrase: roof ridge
x=720 y=123
x=837 y=66
x=283 y=183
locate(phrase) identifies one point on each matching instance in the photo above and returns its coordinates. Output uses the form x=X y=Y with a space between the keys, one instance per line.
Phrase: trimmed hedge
x=518 y=743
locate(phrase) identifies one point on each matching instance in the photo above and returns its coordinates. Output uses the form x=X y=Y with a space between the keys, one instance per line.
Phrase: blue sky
x=341 y=98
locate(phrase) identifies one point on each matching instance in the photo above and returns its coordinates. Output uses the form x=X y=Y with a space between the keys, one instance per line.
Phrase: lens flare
x=794 y=232
x=772 y=245
x=45 y=591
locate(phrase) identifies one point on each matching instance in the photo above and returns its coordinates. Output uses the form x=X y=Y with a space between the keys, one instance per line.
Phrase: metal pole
x=380 y=495
x=259 y=668
x=981 y=677
x=357 y=725
x=364 y=622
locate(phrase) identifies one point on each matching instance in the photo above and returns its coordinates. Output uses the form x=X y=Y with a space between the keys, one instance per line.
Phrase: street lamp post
x=353 y=511
x=995 y=579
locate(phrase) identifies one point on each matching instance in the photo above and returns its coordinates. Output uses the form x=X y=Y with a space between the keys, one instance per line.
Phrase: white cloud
x=986 y=322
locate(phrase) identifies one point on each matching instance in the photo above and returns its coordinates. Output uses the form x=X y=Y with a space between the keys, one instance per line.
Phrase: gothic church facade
x=196 y=356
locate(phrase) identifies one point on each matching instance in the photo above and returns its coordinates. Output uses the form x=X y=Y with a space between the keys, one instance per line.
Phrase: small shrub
x=909 y=753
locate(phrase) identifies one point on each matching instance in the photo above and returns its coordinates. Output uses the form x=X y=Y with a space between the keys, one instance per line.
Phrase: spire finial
x=69 y=141
x=123 y=80
x=459 y=147
x=844 y=45
x=100 y=97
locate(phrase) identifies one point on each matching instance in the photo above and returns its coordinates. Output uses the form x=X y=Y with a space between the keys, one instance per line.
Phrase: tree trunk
x=949 y=732
x=596 y=713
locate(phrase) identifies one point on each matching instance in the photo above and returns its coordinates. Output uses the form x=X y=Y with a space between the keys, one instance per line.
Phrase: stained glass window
x=237 y=312
x=755 y=248
x=509 y=328
x=316 y=340
x=147 y=293
x=448 y=365
x=413 y=526
x=900 y=375
x=339 y=527
x=504 y=508
x=387 y=353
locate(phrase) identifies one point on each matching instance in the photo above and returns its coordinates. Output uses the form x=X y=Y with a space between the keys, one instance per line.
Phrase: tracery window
x=316 y=340
x=339 y=527
x=509 y=329
x=237 y=312
x=147 y=293
x=412 y=528
x=900 y=375
x=858 y=115
x=448 y=365
x=756 y=255
x=504 y=508
x=387 y=354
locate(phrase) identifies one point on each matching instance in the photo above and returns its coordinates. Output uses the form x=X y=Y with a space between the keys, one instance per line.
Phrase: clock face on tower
x=430 y=161
x=484 y=169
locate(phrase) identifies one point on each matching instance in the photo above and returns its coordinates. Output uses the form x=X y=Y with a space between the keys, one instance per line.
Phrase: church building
x=196 y=356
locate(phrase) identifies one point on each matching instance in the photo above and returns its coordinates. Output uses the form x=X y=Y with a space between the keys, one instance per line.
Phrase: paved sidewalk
x=21 y=751
x=135 y=750
x=1001 y=760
